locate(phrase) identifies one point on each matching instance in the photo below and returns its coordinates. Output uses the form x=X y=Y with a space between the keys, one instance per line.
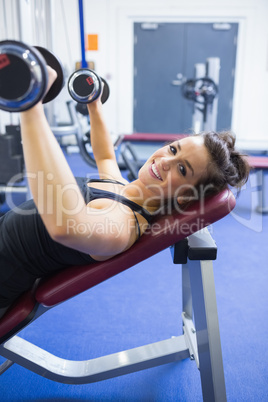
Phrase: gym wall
x=112 y=21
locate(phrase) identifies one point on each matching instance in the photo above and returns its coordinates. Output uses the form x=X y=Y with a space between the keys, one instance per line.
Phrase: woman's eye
x=182 y=170
x=173 y=149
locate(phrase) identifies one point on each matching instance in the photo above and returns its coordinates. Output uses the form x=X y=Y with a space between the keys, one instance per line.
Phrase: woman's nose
x=165 y=162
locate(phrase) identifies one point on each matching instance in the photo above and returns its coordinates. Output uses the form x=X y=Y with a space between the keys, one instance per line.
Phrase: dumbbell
x=85 y=86
x=23 y=76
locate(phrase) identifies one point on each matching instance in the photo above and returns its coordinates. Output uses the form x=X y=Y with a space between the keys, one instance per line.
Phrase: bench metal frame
x=200 y=340
x=261 y=182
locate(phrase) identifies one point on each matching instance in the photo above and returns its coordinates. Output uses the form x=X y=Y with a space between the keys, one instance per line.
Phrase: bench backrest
x=164 y=232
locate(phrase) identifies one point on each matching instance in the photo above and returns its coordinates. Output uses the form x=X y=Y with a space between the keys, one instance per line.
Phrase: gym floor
x=143 y=305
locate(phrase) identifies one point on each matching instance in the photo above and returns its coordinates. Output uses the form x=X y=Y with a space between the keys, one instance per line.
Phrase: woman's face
x=176 y=167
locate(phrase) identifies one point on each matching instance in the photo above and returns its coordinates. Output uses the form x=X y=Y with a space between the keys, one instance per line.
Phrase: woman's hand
x=96 y=104
x=52 y=76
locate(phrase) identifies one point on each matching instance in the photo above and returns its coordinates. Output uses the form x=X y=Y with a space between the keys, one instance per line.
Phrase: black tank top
x=90 y=194
x=27 y=252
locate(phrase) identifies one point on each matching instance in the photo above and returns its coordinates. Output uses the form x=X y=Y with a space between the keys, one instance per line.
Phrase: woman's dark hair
x=228 y=167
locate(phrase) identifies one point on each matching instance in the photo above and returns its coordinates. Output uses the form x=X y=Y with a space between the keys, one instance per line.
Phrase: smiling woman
x=193 y=167
x=75 y=221
x=182 y=154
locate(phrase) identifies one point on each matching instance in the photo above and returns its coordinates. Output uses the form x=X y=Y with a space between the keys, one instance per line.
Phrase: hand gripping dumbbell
x=85 y=86
x=23 y=76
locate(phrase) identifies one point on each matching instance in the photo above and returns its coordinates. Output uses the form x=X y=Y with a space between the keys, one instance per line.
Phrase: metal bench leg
x=207 y=330
x=189 y=330
x=65 y=371
x=187 y=304
x=263 y=204
x=5 y=366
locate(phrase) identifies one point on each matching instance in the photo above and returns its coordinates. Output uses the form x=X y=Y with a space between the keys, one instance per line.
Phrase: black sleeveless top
x=90 y=194
x=27 y=252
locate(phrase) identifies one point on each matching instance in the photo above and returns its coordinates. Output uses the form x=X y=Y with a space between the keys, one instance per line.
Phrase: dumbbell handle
x=84 y=85
x=23 y=76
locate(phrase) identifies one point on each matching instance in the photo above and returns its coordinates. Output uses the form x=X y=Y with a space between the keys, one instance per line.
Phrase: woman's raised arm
x=102 y=144
x=57 y=195
x=48 y=172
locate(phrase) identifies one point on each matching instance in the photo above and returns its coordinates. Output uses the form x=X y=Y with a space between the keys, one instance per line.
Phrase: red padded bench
x=195 y=251
x=153 y=137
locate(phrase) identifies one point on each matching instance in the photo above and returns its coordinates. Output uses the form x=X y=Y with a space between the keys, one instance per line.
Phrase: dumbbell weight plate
x=105 y=92
x=84 y=85
x=82 y=107
x=52 y=61
x=23 y=76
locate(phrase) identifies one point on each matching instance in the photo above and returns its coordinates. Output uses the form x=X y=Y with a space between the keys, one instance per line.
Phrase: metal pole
x=213 y=72
x=49 y=24
x=82 y=34
x=49 y=31
x=18 y=8
x=198 y=115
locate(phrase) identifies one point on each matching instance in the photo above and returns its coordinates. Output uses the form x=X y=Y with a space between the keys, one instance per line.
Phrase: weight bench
x=260 y=165
x=153 y=137
x=192 y=246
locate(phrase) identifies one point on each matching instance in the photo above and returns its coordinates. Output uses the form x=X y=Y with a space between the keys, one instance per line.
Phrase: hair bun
x=229 y=165
x=229 y=139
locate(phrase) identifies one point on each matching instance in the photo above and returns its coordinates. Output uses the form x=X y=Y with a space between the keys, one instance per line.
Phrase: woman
x=81 y=221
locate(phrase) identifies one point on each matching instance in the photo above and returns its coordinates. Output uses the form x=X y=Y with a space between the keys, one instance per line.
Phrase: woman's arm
x=101 y=143
x=50 y=178
x=57 y=196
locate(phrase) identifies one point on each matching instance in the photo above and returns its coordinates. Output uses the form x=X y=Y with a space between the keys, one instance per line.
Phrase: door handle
x=179 y=81
x=176 y=83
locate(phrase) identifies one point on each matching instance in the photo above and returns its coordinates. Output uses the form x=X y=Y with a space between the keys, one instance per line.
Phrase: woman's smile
x=154 y=171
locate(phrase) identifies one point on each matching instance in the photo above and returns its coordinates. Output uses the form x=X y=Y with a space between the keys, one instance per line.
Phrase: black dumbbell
x=23 y=76
x=85 y=86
